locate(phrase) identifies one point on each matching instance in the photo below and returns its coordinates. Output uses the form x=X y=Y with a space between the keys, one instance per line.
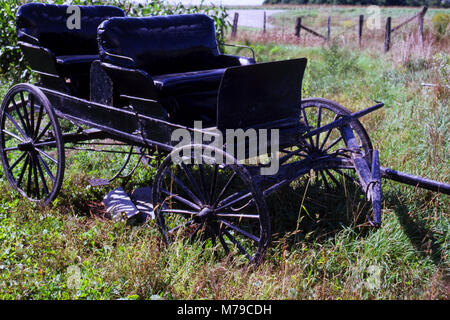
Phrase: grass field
x=316 y=258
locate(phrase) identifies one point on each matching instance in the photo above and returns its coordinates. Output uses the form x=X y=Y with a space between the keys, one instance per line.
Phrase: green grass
x=324 y=258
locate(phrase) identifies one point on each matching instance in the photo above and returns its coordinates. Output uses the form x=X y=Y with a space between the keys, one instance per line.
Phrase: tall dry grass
x=406 y=43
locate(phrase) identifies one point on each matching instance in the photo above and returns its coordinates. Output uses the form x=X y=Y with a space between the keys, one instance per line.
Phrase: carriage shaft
x=345 y=119
x=415 y=180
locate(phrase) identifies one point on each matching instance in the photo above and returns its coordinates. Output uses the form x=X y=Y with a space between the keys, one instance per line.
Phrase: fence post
x=421 y=18
x=360 y=29
x=298 y=27
x=264 y=25
x=328 y=29
x=235 y=23
x=387 y=36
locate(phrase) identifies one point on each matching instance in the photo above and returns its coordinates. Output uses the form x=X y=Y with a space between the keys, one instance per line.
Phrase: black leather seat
x=42 y=29
x=177 y=83
x=178 y=55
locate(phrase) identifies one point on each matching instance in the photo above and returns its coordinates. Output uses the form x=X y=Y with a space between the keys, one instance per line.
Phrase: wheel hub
x=27 y=145
x=204 y=214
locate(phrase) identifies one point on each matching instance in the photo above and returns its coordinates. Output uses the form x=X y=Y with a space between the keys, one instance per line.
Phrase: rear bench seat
x=177 y=55
x=51 y=48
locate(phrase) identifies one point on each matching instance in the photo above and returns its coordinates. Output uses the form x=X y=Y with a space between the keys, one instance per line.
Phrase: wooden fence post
x=264 y=25
x=421 y=18
x=328 y=29
x=298 y=27
x=235 y=23
x=360 y=29
x=387 y=35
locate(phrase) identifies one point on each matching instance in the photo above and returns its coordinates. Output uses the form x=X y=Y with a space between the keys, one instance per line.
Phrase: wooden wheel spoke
x=319 y=120
x=19 y=115
x=305 y=118
x=224 y=189
x=196 y=230
x=237 y=244
x=15 y=124
x=192 y=181
x=180 y=211
x=224 y=244
x=36 y=178
x=184 y=188
x=46 y=168
x=38 y=122
x=12 y=135
x=25 y=113
x=346 y=176
x=212 y=190
x=327 y=135
x=203 y=183
x=335 y=141
x=188 y=223
x=237 y=215
x=24 y=168
x=41 y=175
x=41 y=134
x=18 y=160
x=332 y=177
x=31 y=97
x=30 y=168
x=234 y=198
x=327 y=186
x=181 y=199
x=45 y=154
x=243 y=232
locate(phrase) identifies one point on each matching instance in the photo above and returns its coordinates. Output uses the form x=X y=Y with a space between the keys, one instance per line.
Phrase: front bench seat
x=177 y=53
x=44 y=37
x=179 y=83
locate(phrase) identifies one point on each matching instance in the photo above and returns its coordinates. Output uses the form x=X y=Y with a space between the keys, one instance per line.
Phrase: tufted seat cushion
x=188 y=81
x=174 y=59
x=47 y=23
x=51 y=47
x=160 y=45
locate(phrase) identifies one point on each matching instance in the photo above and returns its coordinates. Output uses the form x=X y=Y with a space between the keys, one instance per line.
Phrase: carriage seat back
x=160 y=45
x=48 y=24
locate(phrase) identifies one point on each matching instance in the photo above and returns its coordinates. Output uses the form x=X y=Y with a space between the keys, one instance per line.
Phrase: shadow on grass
x=425 y=241
x=310 y=212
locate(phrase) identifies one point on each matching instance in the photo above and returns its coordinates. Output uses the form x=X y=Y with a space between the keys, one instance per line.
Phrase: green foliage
x=13 y=66
x=440 y=23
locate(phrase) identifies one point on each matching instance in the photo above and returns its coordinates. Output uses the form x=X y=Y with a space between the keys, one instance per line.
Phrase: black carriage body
x=151 y=76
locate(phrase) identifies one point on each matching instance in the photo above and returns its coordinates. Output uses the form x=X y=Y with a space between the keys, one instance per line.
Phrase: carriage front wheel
x=31 y=144
x=203 y=194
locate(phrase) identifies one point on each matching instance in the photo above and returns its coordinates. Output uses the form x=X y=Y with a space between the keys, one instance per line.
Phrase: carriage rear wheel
x=317 y=112
x=31 y=144
x=209 y=197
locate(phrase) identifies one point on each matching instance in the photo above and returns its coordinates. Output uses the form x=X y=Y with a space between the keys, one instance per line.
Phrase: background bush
x=12 y=64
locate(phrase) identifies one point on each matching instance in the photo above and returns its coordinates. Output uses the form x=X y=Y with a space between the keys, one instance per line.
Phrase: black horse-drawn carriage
x=139 y=80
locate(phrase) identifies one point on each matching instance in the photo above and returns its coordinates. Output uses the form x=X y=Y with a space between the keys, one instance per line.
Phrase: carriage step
x=137 y=208
x=98 y=182
x=119 y=205
x=142 y=198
